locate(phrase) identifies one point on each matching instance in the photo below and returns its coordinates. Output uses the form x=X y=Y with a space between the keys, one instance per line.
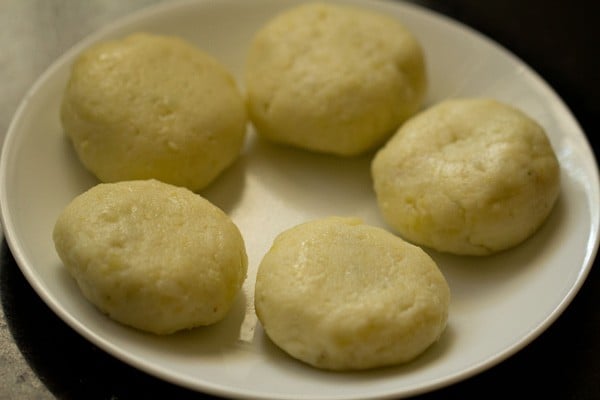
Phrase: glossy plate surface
x=500 y=303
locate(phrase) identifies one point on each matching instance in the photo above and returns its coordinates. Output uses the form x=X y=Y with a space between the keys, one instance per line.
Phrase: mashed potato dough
x=341 y=295
x=149 y=106
x=467 y=176
x=334 y=79
x=151 y=255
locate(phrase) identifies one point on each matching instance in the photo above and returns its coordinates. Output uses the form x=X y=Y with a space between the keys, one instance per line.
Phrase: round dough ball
x=151 y=255
x=341 y=295
x=467 y=176
x=333 y=79
x=150 y=106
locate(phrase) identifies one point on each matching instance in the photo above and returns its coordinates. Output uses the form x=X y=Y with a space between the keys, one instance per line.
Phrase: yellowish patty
x=150 y=106
x=341 y=295
x=333 y=79
x=151 y=255
x=467 y=176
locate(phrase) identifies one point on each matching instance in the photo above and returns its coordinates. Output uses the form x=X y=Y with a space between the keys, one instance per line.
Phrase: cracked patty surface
x=333 y=79
x=467 y=176
x=150 y=106
x=341 y=295
x=151 y=255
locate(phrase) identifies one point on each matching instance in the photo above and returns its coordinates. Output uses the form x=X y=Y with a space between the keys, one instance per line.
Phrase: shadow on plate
x=227 y=188
x=311 y=182
x=436 y=351
x=473 y=277
x=201 y=341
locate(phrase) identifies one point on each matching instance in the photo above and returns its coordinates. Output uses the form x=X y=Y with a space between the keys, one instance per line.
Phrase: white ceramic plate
x=499 y=304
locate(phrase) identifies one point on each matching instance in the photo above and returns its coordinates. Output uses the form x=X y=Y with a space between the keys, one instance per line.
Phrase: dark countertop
x=42 y=358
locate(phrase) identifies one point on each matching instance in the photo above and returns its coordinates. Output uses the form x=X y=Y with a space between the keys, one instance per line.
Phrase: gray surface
x=34 y=33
